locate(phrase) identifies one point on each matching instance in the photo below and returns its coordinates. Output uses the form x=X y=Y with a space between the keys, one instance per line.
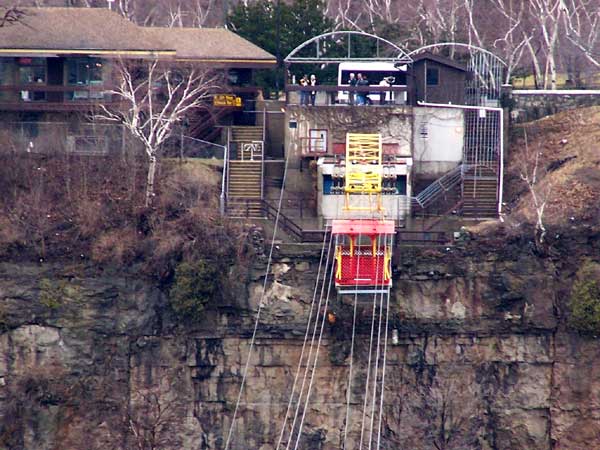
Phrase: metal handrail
x=443 y=184
x=225 y=180
x=285 y=222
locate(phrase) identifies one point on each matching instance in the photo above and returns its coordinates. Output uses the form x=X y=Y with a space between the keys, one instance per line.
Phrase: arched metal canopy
x=469 y=47
x=322 y=47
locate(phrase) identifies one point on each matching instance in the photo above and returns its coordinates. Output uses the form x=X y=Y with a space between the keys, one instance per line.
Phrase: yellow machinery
x=364 y=169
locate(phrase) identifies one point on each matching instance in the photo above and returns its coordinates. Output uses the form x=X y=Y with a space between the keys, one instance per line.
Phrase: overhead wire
x=307 y=366
x=349 y=389
x=377 y=355
x=299 y=435
x=289 y=407
x=362 y=426
x=260 y=305
x=382 y=381
x=387 y=317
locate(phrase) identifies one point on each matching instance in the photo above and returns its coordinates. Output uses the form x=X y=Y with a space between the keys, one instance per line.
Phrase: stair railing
x=284 y=222
x=439 y=187
x=225 y=181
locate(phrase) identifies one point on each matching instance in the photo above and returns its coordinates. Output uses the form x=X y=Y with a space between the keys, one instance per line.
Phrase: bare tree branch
x=155 y=98
x=540 y=192
x=9 y=16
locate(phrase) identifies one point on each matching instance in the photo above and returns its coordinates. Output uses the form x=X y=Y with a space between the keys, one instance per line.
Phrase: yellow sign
x=227 y=100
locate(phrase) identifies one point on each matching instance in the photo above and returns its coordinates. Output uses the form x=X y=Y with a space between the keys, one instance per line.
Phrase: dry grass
x=116 y=246
x=64 y=206
x=569 y=147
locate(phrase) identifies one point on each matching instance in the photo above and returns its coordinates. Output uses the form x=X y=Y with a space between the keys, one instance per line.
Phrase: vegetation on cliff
x=585 y=299
x=65 y=207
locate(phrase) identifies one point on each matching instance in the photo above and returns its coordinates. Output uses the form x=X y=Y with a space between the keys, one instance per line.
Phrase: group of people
x=354 y=98
x=362 y=98
x=308 y=96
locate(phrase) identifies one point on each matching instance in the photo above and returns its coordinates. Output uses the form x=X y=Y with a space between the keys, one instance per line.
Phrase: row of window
x=398 y=187
x=76 y=71
x=69 y=72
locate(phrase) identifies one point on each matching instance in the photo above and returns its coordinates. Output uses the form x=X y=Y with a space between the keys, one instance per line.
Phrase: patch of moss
x=51 y=293
x=195 y=284
x=585 y=299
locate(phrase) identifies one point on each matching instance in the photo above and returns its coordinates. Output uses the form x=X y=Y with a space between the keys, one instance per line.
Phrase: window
x=239 y=77
x=401 y=185
x=32 y=71
x=433 y=76
x=6 y=72
x=327 y=184
x=6 y=77
x=84 y=72
x=317 y=142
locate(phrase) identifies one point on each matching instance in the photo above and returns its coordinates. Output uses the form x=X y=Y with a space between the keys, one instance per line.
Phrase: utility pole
x=225 y=12
x=278 y=44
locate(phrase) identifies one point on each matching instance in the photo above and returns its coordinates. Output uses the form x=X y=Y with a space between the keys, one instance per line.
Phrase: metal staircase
x=438 y=188
x=480 y=192
x=245 y=172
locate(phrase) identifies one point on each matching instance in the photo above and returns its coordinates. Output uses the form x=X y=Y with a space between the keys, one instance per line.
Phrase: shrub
x=195 y=284
x=585 y=300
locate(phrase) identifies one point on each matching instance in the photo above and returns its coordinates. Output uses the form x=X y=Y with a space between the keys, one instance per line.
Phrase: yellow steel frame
x=364 y=168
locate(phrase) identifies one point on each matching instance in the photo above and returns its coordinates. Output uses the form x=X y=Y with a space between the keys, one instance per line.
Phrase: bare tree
x=514 y=35
x=10 y=15
x=156 y=96
x=582 y=24
x=546 y=15
x=531 y=173
x=449 y=413
x=150 y=419
x=440 y=21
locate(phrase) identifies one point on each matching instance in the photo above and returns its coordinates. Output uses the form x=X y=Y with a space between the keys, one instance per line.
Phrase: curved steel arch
x=457 y=44
x=403 y=56
x=484 y=86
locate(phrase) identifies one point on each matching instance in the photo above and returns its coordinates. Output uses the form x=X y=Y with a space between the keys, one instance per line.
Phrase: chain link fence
x=96 y=139
x=66 y=137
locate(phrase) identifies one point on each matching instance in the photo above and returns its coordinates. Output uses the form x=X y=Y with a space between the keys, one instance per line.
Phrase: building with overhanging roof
x=59 y=59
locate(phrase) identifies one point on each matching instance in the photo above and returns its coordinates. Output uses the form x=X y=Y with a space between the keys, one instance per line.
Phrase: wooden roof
x=99 y=31
x=439 y=59
x=212 y=46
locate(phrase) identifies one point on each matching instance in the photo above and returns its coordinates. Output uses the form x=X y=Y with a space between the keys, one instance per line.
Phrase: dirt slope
x=568 y=146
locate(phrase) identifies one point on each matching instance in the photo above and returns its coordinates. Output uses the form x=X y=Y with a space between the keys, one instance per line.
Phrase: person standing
x=387 y=81
x=313 y=94
x=362 y=96
x=352 y=82
x=304 y=94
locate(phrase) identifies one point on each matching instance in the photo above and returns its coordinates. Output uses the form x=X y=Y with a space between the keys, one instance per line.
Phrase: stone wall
x=88 y=356
x=528 y=105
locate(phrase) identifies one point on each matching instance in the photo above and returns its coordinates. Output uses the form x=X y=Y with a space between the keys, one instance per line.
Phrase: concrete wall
x=528 y=105
x=438 y=138
x=394 y=123
x=396 y=207
x=275 y=118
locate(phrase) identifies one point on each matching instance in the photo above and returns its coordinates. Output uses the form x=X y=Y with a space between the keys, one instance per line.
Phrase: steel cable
x=312 y=305
x=260 y=305
x=299 y=435
x=310 y=351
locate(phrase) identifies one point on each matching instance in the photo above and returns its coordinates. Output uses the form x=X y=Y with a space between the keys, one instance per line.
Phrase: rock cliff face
x=92 y=359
